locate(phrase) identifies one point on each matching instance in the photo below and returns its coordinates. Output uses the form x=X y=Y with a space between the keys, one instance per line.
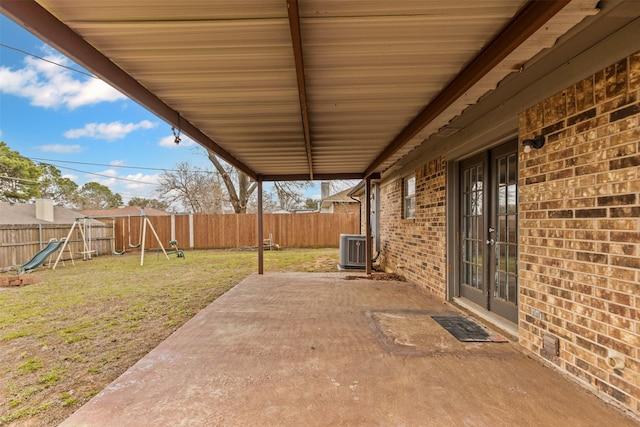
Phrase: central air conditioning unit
x=353 y=252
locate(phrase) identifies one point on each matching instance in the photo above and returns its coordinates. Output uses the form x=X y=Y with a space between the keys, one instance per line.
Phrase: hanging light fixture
x=176 y=132
x=537 y=142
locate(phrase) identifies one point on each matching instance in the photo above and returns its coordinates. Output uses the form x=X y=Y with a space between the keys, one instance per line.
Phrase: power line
x=54 y=162
x=101 y=164
x=49 y=61
x=108 y=176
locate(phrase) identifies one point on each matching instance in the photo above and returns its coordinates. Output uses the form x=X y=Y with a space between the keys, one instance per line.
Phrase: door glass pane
x=512 y=288
x=502 y=185
x=506 y=247
x=513 y=168
x=467 y=181
x=512 y=184
x=472 y=223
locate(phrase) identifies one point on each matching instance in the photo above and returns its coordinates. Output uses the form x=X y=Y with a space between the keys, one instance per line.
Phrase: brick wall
x=417 y=245
x=580 y=231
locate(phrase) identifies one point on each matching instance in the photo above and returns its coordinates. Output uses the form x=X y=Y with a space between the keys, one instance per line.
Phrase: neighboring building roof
x=126 y=211
x=25 y=213
x=341 y=197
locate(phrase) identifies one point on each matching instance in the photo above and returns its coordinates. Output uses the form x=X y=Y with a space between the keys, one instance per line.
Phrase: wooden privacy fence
x=18 y=243
x=204 y=231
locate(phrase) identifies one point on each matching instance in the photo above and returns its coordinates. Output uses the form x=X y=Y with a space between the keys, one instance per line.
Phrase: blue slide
x=39 y=258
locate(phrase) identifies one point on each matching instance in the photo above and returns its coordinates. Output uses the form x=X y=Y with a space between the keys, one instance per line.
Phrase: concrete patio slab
x=308 y=349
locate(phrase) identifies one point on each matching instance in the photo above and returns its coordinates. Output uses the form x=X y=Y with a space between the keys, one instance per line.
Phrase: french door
x=488 y=230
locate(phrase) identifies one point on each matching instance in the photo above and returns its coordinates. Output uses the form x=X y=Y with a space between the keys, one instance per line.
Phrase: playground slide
x=39 y=258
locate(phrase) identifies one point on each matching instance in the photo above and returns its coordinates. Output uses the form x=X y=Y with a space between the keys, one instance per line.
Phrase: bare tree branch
x=240 y=190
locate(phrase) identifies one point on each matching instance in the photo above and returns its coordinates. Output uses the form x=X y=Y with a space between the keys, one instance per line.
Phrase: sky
x=54 y=111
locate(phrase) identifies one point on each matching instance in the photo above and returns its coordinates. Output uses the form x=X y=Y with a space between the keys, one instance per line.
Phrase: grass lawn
x=65 y=338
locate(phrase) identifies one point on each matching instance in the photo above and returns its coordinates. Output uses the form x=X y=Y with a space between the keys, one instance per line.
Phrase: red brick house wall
x=580 y=231
x=416 y=247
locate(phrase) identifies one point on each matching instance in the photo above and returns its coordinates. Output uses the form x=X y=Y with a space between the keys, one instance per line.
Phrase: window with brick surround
x=409 y=196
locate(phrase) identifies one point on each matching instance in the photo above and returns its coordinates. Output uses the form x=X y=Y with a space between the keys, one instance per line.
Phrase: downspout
x=350 y=195
x=368 y=242
x=359 y=211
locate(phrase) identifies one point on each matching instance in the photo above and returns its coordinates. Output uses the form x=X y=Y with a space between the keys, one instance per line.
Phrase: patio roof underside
x=309 y=89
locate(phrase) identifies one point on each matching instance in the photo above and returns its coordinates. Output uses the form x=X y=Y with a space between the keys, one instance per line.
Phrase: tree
x=339 y=185
x=310 y=203
x=290 y=194
x=238 y=184
x=18 y=176
x=63 y=191
x=191 y=188
x=148 y=203
x=269 y=202
x=93 y=195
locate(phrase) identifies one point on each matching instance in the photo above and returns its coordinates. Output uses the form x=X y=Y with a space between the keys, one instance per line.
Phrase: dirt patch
x=325 y=263
x=378 y=276
x=415 y=333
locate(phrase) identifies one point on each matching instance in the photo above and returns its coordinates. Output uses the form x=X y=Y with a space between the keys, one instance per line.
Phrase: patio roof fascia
x=317 y=177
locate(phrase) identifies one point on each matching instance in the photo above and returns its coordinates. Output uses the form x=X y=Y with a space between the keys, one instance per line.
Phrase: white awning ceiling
x=302 y=89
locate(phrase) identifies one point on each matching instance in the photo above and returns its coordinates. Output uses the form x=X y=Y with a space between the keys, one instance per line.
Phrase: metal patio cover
x=308 y=89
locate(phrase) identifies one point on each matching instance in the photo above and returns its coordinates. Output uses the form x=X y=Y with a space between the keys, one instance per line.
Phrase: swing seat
x=131 y=245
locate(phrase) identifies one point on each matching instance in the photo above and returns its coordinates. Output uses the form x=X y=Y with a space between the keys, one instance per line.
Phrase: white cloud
x=139 y=182
x=106 y=177
x=117 y=163
x=50 y=86
x=143 y=181
x=109 y=131
x=71 y=176
x=60 y=148
x=170 y=141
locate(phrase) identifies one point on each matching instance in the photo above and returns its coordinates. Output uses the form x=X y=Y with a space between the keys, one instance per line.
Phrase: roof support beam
x=260 y=230
x=532 y=16
x=296 y=39
x=317 y=177
x=40 y=22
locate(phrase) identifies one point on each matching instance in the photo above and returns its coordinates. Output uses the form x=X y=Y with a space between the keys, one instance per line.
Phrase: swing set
x=84 y=224
x=125 y=236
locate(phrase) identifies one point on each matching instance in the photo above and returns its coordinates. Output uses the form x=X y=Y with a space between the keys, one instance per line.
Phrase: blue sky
x=54 y=113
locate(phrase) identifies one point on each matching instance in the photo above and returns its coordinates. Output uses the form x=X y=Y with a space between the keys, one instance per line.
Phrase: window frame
x=409 y=198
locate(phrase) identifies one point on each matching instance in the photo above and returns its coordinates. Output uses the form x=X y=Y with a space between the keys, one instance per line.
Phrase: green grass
x=29 y=366
x=68 y=336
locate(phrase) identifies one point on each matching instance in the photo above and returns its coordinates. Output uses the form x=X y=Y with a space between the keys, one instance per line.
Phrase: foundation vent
x=550 y=347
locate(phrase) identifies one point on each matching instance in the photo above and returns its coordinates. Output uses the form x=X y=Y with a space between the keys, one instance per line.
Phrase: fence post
x=192 y=243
